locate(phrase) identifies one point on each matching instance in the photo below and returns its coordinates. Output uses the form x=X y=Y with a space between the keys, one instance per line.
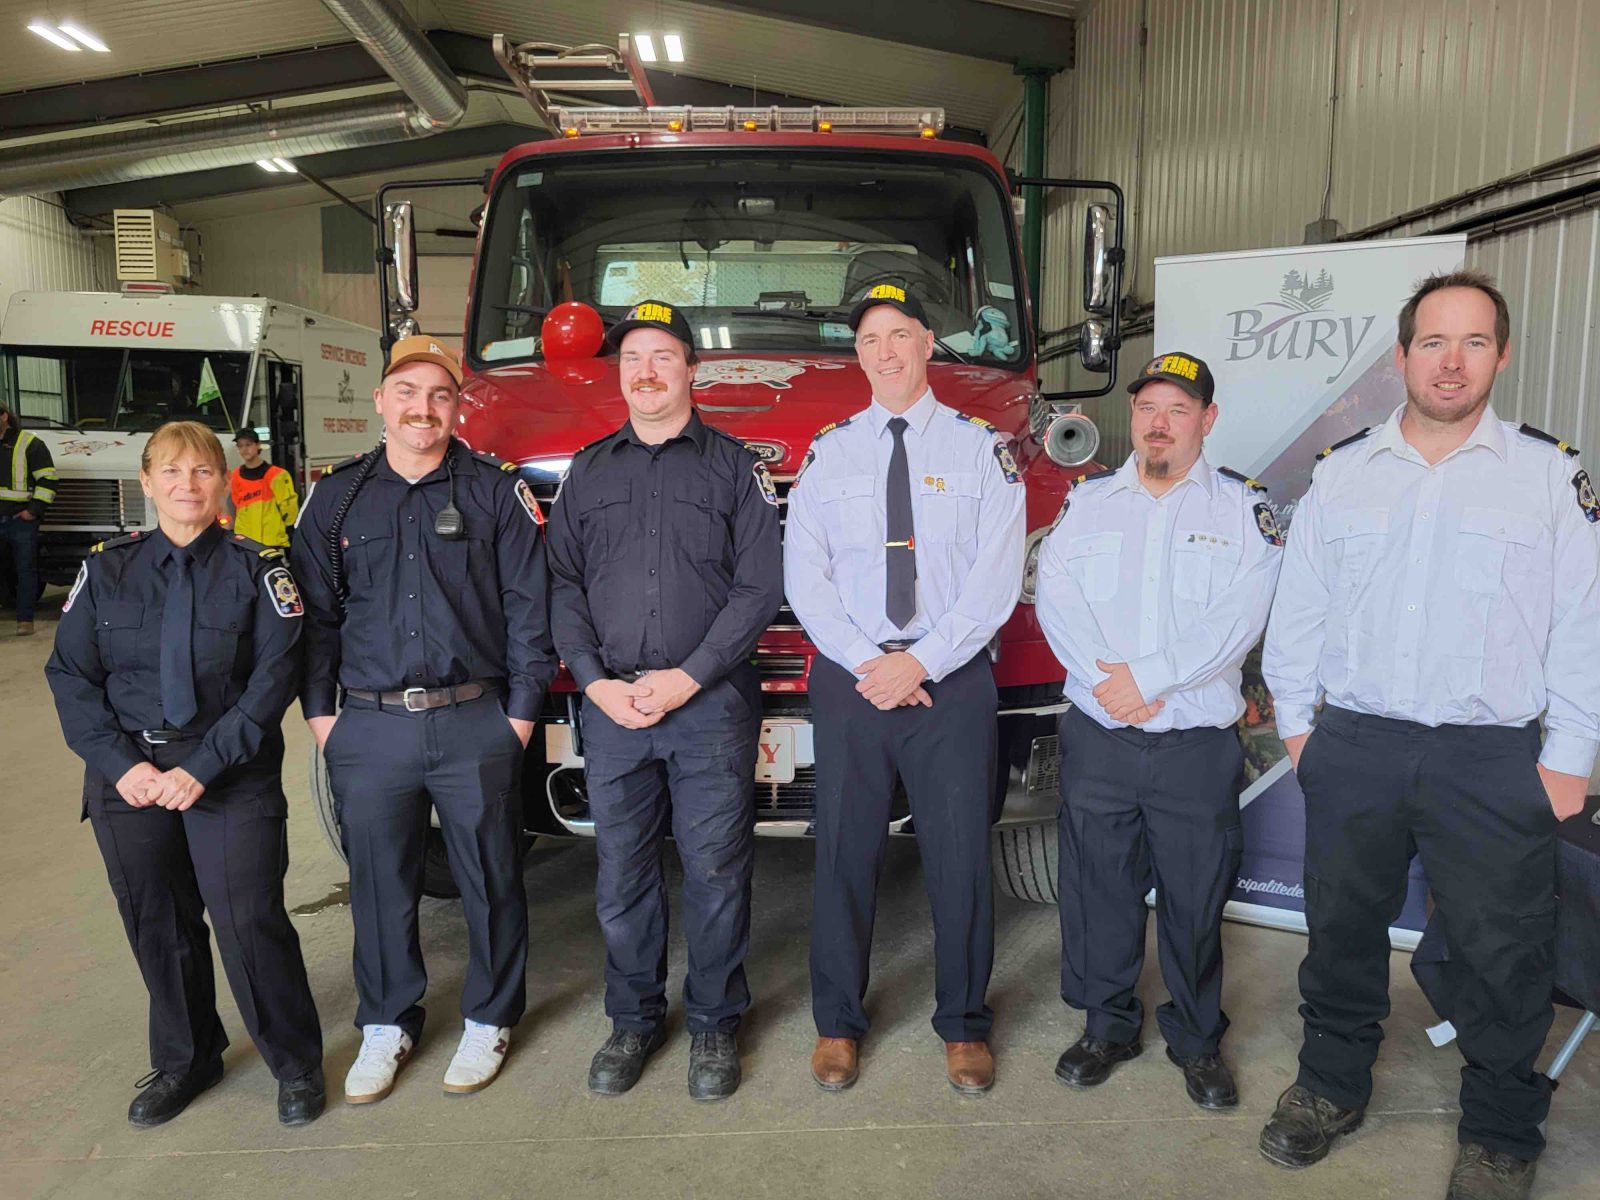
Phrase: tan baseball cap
x=422 y=348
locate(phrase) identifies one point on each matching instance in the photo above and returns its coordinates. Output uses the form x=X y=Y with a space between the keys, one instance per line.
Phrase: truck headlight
x=1030 y=563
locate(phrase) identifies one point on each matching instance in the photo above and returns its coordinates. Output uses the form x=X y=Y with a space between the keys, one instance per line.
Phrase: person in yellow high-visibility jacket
x=265 y=503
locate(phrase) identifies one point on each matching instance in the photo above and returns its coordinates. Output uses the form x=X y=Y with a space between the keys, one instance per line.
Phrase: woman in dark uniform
x=175 y=659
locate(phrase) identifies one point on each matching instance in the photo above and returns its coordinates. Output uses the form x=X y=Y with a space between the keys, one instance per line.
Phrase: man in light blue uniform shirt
x=1153 y=586
x=1439 y=596
x=903 y=557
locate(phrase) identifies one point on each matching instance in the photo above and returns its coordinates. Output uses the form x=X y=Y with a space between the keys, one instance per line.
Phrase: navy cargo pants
x=695 y=771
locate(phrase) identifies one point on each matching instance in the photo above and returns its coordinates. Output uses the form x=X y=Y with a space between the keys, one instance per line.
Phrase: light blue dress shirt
x=967 y=512
x=1462 y=593
x=1177 y=586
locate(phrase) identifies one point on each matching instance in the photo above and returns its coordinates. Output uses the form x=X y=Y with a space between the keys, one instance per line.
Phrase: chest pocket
x=369 y=546
x=118 y=631
x=1203 y=563
x=850 y=514
x=947 y=509
x=1487 y=536
x=604 y=516
x=222 y=633
x=699 y=517
x=1356 y=535
x=1094 y=560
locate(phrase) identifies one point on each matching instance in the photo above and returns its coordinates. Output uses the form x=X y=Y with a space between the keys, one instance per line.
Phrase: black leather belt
x=418 y=699
x=895 y=647
x=160 y=737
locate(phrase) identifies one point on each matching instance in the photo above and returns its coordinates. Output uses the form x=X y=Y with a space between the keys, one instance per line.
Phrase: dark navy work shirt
x=421 y=610
x=106 y=668
x=663 y=556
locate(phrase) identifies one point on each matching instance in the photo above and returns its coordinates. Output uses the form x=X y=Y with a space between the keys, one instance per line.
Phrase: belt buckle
x=405 y=698
x=156 y=737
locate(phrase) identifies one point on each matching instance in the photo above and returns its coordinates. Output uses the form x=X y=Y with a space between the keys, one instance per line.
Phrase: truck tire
x=1025 y=862
x=437 y=881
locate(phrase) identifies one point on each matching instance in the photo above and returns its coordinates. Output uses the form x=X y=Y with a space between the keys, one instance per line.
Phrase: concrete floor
x=72 y=1043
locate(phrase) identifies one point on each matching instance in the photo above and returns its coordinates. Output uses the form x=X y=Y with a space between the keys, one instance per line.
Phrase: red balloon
x=572 y=330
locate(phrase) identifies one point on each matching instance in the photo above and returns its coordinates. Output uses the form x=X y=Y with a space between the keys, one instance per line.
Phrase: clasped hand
x=644 y=702
x=1119 y=695
x=143 y=786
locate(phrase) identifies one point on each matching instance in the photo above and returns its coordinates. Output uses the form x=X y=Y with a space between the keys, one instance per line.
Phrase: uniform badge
x=83 y=578
x=285 y=595
x=811 y=457
x=1586 y=497
x=1268 y=525
x=769 y=493
x=525 y=494
x=1008 y=465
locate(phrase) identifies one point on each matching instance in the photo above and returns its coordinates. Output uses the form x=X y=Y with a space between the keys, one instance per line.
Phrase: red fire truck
x=764 y=226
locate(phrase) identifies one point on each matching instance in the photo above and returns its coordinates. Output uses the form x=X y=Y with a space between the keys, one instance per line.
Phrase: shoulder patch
x=283 y=592
x=769 y=491
x=126 y=539
x=1540 y=435
x=1587 y=502
x=811 y=457
x=349 y=462
x=1008 y=465
x=529 y=504
x=1340 y=445
x=1251 y=484
x=831 y=426
x=1092 y=476
x=1267 y=523
x=1066 y=503
x=77 y=585
x=978 y=421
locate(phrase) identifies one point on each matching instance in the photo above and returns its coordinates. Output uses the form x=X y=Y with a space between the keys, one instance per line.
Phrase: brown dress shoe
x=24 y=628
x=970 y=1066
x=833 y=1063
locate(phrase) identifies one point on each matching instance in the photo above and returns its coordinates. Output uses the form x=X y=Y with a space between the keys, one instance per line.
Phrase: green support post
x=1035 y=110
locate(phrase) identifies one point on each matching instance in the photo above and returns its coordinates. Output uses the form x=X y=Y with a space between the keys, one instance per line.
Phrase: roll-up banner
x=1301 y=342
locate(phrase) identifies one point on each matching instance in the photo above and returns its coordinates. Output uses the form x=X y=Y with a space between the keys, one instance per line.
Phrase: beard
x=1155 y=464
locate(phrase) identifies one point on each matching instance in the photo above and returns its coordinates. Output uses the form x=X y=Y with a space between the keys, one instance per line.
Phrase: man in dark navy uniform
x=666 y=564
x=424 y=577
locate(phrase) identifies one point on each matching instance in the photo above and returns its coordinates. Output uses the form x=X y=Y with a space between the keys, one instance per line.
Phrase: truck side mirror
x=1097 y=275
x=1092 y=348
x=403 y=245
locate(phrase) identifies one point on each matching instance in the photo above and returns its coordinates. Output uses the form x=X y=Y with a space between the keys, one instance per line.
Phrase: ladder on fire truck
x=540 y=70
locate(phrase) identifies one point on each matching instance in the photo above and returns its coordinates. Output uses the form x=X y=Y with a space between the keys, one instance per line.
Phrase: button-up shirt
x=422 y=610
x=968 y=520
x=664 y=556
x=106 y=668
x=1177 y=586
x=1461 y=593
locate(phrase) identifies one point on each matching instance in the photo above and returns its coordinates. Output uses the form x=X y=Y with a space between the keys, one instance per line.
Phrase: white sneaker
x=478 y=1058
x=383 y=1049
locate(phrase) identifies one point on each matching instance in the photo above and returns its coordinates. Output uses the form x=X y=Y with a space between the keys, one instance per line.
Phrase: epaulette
x=595 y=445
x=349 y=462
x=251 y=546
x=831 y=426
x=1349 y=441
x=978 y=421
x=1090 y=478
x=1252 y=484
x=126 y=539
x=1540 y=435
x=499 y=464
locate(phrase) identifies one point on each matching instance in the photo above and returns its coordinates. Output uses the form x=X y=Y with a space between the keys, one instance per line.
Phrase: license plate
x=775 y=754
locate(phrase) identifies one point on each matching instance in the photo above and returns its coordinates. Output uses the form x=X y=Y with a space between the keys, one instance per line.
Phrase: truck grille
x=1044 y=766
x=781 y=666
x=795 y=801
x=97 y=503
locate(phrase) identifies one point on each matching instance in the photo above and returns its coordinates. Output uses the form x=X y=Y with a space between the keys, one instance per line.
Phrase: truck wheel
x=1024 y=862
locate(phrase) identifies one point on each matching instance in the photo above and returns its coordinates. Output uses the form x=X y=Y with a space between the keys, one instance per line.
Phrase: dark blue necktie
x=900 y=544
x=177 y=649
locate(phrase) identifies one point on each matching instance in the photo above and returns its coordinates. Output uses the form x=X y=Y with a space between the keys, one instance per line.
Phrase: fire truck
x=94 y=373
x=764 y=226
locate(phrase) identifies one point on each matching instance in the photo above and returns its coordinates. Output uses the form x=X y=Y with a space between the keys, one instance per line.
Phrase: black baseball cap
x=1185 y=370
x=246 y=435
x=894 y=296
x=652 y=314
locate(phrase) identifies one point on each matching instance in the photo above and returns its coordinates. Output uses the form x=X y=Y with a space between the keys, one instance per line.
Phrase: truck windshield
x=763 y=252
x=130 y=389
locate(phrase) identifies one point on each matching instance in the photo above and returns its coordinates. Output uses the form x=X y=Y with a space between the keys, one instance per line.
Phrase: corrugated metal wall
x=41 y=251
x=1226 y=145
x=279 y=255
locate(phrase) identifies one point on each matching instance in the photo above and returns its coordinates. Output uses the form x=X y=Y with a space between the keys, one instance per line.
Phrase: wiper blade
x=812 y=315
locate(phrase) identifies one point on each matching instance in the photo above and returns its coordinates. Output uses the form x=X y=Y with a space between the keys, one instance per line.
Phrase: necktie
x=900 y=554
x=177 y=649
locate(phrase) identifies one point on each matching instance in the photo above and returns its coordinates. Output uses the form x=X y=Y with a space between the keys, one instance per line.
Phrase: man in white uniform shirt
x=1439 y=596
x=1153 y=586
x=903 y=557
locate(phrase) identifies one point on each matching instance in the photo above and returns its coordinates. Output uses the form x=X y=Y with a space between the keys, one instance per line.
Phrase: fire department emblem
x=77 y=586
x=525 y=494
x=769 y=493
x=811 y=457
x=1268 y=525
x=1586 y=497
x=285 y=595
x=1008 y=465
x=750 y=371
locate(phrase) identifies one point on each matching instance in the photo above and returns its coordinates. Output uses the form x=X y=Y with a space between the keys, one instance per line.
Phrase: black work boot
x=163 y=1095
x=301 y=1101
x=1304 y=1127
x=713 y=1065
x=1089 y=1060
x=1207 y=1080
x=1485 y=1174
x=618 y=1064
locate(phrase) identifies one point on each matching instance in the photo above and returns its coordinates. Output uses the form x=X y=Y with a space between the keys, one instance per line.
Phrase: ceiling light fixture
x=284 y=164
x=674 y=47
x=54 y=38
x=266 y=165
x=646 y=46
x=84 y=37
